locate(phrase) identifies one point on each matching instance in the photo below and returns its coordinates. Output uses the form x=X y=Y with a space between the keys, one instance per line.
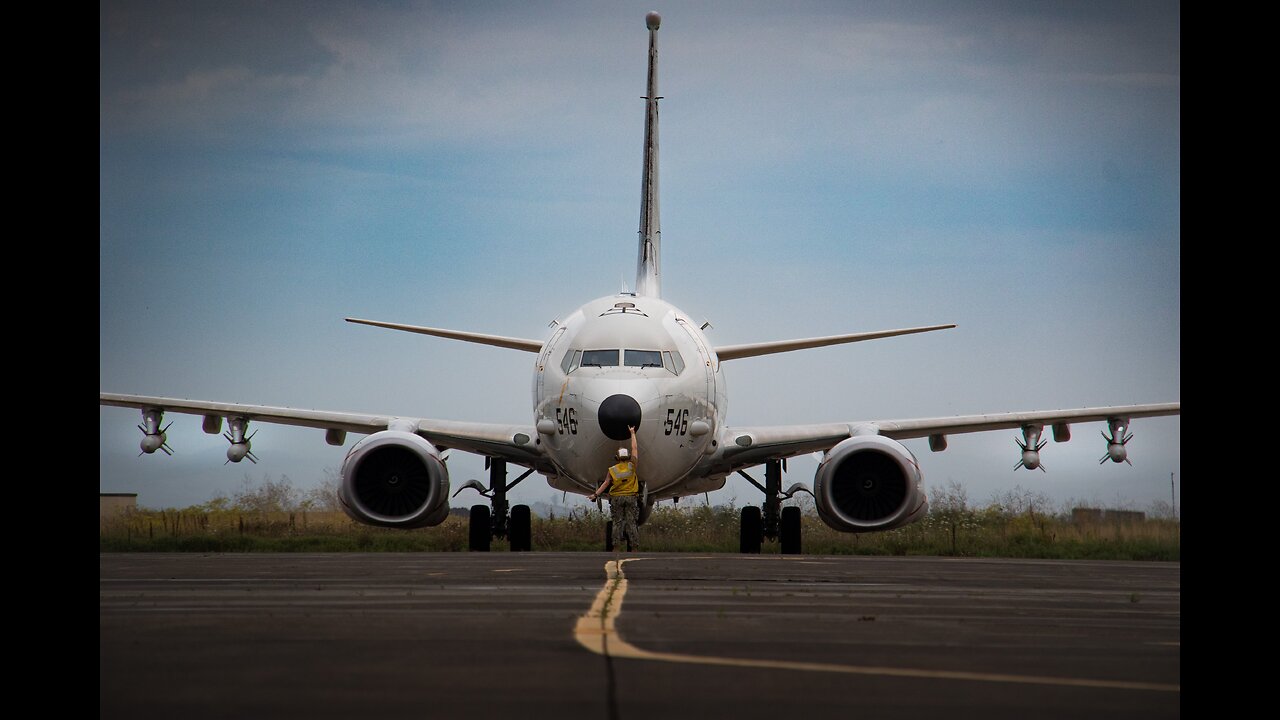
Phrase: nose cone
x=617 y=412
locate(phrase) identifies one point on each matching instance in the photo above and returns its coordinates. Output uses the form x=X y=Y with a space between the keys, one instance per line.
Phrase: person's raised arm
x=635 y=454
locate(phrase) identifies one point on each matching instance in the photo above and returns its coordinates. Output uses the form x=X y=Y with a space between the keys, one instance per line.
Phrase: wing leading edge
x=744 y=446
x=513 y=443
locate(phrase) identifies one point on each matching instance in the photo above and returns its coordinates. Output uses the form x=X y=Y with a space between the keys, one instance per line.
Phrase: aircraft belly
x=690 y=486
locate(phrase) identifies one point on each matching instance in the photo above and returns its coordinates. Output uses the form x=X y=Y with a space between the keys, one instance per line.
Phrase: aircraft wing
x=509 y=442
x=745 y=446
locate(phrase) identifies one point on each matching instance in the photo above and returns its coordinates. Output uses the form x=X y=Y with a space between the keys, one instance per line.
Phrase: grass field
x=993 y=531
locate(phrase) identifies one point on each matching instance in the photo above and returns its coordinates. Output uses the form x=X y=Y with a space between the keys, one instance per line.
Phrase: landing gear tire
x=608 y=536
x=751 y=532
x=790 y=535
x=521 y=529
x=480 y=530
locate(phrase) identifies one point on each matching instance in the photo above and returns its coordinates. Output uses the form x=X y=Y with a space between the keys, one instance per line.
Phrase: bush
x=275 y=517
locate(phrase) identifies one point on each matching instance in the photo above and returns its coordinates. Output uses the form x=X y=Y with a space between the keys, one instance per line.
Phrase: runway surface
x=570 y=635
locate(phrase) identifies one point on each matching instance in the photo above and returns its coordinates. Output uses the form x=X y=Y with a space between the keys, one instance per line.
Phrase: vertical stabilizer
x=648 y=268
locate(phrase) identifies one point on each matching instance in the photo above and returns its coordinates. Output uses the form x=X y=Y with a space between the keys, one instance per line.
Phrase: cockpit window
x=599 y=358
x=571 y=361
x=672 y=361
x=668 y=359
x=642 y=358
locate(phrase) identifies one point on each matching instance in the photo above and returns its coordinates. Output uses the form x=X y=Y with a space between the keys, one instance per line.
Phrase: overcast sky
x=269 y=168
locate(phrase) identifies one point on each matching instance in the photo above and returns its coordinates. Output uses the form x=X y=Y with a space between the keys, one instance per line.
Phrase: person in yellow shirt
x=623 y=483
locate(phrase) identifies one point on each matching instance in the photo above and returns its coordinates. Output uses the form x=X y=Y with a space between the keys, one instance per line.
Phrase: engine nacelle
x=395 y=479
x=867 y=483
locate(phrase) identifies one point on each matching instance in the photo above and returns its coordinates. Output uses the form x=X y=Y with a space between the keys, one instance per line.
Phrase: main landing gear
x=487 y=523
x=771 y=520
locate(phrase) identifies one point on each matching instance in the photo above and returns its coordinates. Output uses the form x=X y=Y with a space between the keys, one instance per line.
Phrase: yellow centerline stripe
x=596 y=632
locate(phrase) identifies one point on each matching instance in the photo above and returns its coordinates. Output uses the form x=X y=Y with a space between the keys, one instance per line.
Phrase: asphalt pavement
x=569 y=635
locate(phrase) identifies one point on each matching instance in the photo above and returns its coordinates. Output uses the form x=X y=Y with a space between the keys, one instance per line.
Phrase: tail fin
x=648 y=267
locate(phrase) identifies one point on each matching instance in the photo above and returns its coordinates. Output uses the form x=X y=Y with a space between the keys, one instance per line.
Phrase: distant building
x=1097 y=515
x=116 y=505
x=1086 y=515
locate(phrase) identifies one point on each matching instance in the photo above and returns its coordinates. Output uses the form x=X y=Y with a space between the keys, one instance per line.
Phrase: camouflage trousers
x=625 y=510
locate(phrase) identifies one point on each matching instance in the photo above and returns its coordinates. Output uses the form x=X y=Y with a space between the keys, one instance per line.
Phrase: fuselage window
x=672 y=361
x=642 y=358
x=599 y=358
x=571 y=360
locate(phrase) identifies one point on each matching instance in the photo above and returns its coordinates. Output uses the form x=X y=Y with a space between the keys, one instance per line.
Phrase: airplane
x=633 y=359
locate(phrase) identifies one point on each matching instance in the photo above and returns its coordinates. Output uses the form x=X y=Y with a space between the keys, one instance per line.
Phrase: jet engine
x=869 y=482
x=395 y=479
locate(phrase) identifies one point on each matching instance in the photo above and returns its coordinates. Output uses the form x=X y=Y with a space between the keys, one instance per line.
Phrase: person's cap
x=622 y=453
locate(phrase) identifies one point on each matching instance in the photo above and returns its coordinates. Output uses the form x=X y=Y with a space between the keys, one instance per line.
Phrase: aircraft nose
x=616 y=413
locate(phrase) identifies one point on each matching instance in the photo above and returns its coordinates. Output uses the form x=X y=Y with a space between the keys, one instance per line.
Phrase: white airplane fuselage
x=629 y=360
